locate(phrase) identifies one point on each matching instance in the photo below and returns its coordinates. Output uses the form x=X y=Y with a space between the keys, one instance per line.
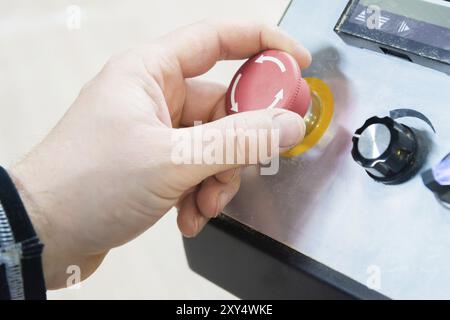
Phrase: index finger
x=198 y=47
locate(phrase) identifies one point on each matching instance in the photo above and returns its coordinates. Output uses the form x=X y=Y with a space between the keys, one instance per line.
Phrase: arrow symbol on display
x=234 y=104
x=403 y=27
x=278 y=97
x=363 y=18
x=278 y=62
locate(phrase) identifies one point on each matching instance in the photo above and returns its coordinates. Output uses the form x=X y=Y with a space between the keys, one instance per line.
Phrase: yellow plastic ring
x=322 y=94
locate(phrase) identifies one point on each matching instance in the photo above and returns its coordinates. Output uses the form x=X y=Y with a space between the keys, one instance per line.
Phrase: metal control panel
x=322 y=203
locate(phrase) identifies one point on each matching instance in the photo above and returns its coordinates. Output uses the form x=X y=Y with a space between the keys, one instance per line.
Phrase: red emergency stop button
x=271 y=79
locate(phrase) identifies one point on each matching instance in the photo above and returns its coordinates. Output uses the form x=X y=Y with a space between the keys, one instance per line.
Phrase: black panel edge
x=301 y=276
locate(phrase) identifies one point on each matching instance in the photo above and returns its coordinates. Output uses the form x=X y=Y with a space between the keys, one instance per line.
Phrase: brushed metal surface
x=374 y=141
x=324 y=205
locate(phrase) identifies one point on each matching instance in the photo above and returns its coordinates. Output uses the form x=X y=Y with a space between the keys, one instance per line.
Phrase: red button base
x=271 y=79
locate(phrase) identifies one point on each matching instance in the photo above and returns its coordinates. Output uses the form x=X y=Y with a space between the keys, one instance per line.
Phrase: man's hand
x=104 y=174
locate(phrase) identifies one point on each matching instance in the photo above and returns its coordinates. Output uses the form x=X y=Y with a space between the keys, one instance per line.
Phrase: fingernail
x=222 y=201
x=193 y=227
x=291 y=129
x=228 y=176
x=197 y=225
x=236 y=173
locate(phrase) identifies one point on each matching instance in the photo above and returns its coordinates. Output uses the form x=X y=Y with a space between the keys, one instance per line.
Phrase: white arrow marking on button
x=234 y=104
x=278 y=97
x=278 y=62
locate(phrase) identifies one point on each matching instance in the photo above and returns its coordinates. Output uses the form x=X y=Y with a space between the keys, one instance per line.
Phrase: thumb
x=242 y=139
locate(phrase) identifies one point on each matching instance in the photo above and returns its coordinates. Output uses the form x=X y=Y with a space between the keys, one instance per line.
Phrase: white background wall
x=42 y=67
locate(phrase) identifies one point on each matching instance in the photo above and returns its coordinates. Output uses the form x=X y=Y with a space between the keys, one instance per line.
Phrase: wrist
x=62 y=248
x=37 y=199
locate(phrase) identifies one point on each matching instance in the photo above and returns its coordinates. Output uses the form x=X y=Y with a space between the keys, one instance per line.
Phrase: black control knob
x=386 y=149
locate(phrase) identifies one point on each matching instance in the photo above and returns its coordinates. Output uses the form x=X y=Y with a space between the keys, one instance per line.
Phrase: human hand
x=105 y=173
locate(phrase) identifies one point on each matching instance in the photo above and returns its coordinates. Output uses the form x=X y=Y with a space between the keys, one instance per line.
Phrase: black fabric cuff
x=25 y=235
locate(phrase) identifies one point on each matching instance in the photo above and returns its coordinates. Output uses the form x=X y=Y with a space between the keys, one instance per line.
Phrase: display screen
x=425 y=21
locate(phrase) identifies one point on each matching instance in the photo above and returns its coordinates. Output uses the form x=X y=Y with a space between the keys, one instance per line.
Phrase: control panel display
x=415 y=30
